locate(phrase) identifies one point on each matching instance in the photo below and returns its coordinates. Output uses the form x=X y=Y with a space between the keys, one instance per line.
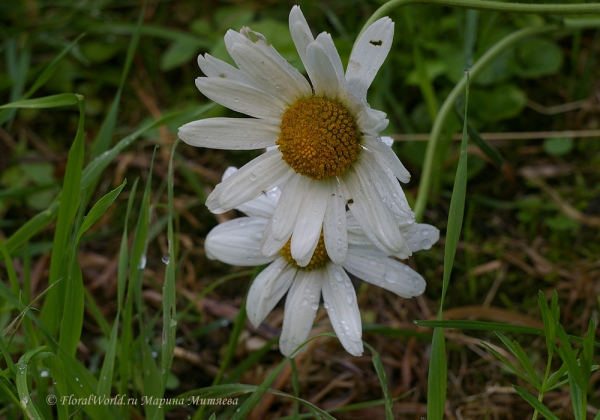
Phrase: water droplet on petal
x=425 y=244
x=349 y=298
x=314 y=306
x=304 y=302
x=390 y=277
x=252 y=177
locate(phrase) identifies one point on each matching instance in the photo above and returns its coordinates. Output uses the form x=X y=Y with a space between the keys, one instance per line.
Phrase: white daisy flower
x=238 y=242
x=325 y=151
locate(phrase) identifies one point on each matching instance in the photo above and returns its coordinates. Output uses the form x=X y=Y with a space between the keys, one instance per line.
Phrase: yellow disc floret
x=318 y=259
x=318 y=138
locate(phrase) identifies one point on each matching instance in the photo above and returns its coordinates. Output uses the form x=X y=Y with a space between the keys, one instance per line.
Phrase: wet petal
x=309 y=222
x=384 y=272
x=339 y=299
x=229 y=133
x=327 y=81
x=267 y=289
x=267 y=68
x=237 y=242
x=261 y=174
x=301 y=307
x=368 y=54
x=334 y=225
x=242 y=98
x=424 y=237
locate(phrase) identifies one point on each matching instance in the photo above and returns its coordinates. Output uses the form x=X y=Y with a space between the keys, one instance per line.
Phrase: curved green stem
x=561 y=9
x=491 y=54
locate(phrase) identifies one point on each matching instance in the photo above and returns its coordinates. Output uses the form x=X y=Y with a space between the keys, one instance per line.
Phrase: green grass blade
x=51 y=68
x=26 y=401
x=53 y=101
x=436 y=390
x=380 y=370
x=436 y=378
x=169 y=289
x=541 y=408
x=53 y=309
x=99 y=209
x=10 y=269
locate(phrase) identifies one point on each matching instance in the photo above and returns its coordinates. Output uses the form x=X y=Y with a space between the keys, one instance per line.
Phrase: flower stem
x=562 y=9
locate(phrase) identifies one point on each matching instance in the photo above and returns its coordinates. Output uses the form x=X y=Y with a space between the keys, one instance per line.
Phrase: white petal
x=229 y=133
x=423 y=238
x=237 y=242
x=267 y=68
x=370 y=121
x=261 y=206
x=288 y=206
x=368 y=54
x=384 y=272
x=334 y=225
x=386 y=184
x=242 y=98
x=301 y=307
x=309 y=222
x=339 y=299
x=326 y=81
x=269 y=245
x=301 y=36
x=268 y=288
x=386 y=157
x=261 y=174
x=214 y=68
x=375 y=219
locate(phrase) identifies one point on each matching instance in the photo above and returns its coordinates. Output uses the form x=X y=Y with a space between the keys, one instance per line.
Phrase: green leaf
x=179 y=52
x=99 y=209
x=558 y=146
x=53 y=101
x=499 y=103
x=541 y=408
x=535 y=57
x=380 y=370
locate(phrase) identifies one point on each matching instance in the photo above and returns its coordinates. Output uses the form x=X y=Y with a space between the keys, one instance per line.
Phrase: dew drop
x=44 y=373
x=304 y=302
x=338 y=276
x=425 y=244
x=252 y=177
x=142 y=264
x=390 y=277
x=349 y=298
x=224 y=322
x=166 y=258
x=425 y=232
x=314 y=306
x=326 y=305
x=154 y=354
x=24 y=401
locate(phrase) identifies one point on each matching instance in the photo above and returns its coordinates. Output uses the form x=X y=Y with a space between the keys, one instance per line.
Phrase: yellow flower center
x=318 y=138
x=318 y=259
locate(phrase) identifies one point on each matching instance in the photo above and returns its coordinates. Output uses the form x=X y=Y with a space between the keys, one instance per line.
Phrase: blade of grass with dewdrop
x=436 y=387
x=26 y=401
x=169 y=290
x=127 y=333
x=52 y=310
x=52 y=101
